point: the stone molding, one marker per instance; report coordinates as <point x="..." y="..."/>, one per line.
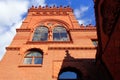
<point x="23" y="30"/>
<point x="49" y="42"/>
<point x="12" y="48"/>
<point x="84" y="29"/>
<point x="72" y="48"/>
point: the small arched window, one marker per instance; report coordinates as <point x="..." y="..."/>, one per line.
<point x="68" y="75"/>
<point x="40" y="34"/>
<point x="60" y="34"/>
<point x="33" y="57"/>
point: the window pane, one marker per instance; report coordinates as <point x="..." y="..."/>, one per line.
<point x="64" y="37"/>
<point x="27" y="60"/>
<point x="68" y="75"/>
<point x="56" y="36"/>
<point x="37" y="60"/>
<point x="34" y="53"/>
<point x="40" y="34"/>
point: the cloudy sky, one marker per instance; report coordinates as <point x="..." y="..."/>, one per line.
<point x="13" y="12"/>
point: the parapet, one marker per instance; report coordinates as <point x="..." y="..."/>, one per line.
<point x="90" y="26"/>
<point x="84" y="28"/>
<point x="50" y="8"/>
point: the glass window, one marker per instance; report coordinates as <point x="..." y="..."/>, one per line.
<point x="60" y="34"/>
<point x="33" y="57"/>
<point x="27" y="60"/>
<point x="95" y="42"/>
<point x="68" y="75"/>
<point x="40" y="34"/>
<point x="38" y="61"/>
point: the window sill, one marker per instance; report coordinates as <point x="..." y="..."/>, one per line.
<point x="48" y="42"/>
<point x="30" y="65"/>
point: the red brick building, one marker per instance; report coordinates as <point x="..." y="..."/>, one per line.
<point x="49" y="44"/>
<point x="108" y="31"/>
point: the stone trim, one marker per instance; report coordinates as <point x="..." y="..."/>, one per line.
<point x="23" y="30"/>
<point x="49" y="42"/>
<point x="84" y="29"/>
<point x="72" y="48"/>
<point x="30" y="65"/>
<point x="51" y="13"/>
<point x="12" y="48"/>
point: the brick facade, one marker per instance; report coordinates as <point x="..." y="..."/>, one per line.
<point x="78" y="53"/>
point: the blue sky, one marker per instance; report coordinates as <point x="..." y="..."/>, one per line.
<point x="13" y="13"/>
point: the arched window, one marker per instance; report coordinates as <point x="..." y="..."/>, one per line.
<point x="40" y="34"/>
<point x="33" y="57"/>
<point x="68" y="75"/>
<point x="60" y="34"/>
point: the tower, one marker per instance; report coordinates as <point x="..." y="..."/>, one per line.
<point x="49" y="45"/>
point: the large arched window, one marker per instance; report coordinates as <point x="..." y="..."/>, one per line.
<point x="40" y="34"/>
<point x="33" y="57"/>
<point x="60" y="34"/>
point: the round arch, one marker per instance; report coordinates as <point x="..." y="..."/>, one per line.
<point x="66" y="25"/>
<point x="35" y="49"/>
<point x="75" y="73"/>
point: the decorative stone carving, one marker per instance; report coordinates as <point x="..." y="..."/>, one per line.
<point x="50" y="10"/>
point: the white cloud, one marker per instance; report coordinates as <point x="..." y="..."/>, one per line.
<point x="38" y="2"/>
<point x="79" y="13"/>
<point x="11" y="17"/>
<point x="81" y="21"/>
<point x="7" y="37"/>
<point x="85" y="21"/>
<point x="11" y="13"/>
